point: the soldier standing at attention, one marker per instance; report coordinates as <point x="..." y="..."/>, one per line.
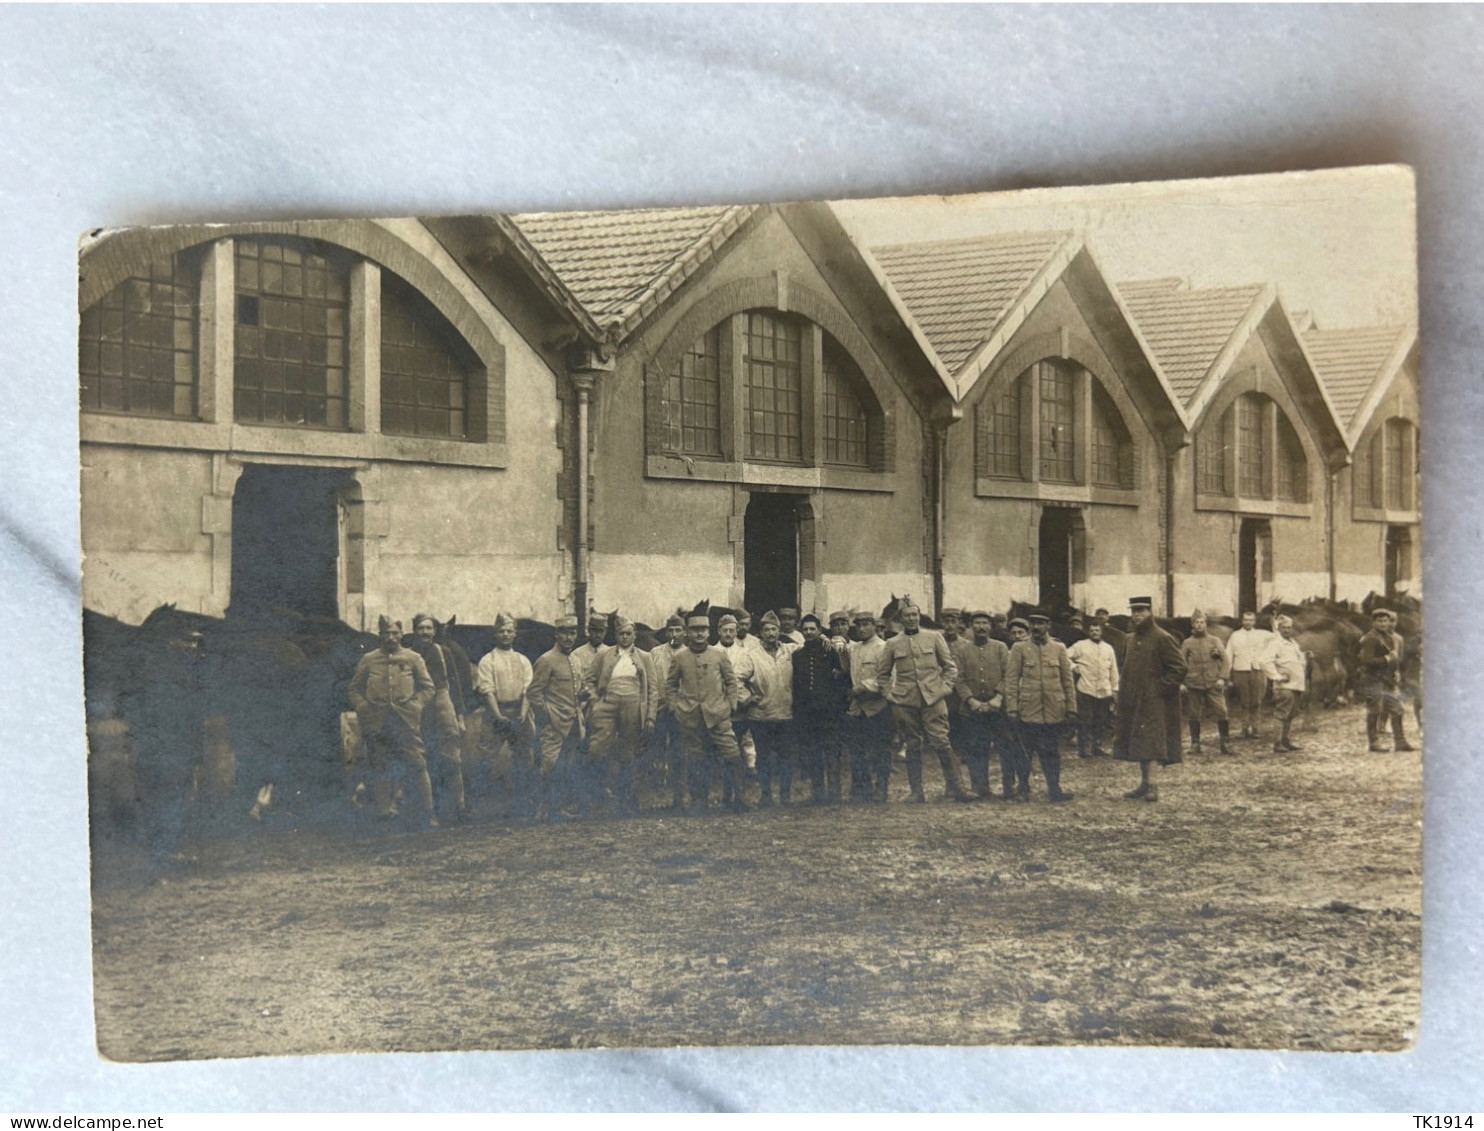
<point x="920" y="674"/>
<point x="1016" y="630"/>
<point x="869" y="721"/>
<point x="1245" y="648"/>
<point x="983" y="663"/>
<point x="1286" y="665"/>
<point x="557" y="697"/>
<point x="771" y="711"/>
<point x="950" y="626"/>
<point x="1039" y="693"/>
<point x="1381" y="655"/>
<point x="502" y="679"/>
<point x="818" y="703"/>
<point x="741" y="659"/>
<point x="586" y="655"/>
<point x="389" y="690"/>
<point x="441" y="721"/>
<point x="625" y="697"/>
<point x="702" y="691"/>
<point x="669" y="747"/>
<point x="1148" y="728"/>
<point x="1207" y="668"/>
<point x="1095" y="672"/>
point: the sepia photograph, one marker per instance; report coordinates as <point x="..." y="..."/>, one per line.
<point x="957" y="620"/>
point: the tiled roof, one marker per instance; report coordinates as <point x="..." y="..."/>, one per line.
<point x="1186" y="330"/>
<point x="1349" y="361"/>
<point x="958" y="290"/>
<point x="620" y="264"/>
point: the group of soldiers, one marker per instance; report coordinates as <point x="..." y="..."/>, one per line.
<point x="585" y="725"/>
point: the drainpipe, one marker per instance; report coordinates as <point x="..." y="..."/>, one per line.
<point x="1170" y="479"/>
<point x="1331" y="487"/>
<point x="940" y="442"/>
<point x="586" y="368"/>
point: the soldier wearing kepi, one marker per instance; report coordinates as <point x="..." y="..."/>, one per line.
<point x="741" y="660"/>
<point x="703" y="691"/>
<point x="1148" y="728"/>
<point x="1039" y="693"/>
<point x="869" y="721"/>
<point x="983" y="663"/>
<point x="771" y="711"/>
<point x="585" y="656"/>
<point x="389" y="690"/>
<point x="669" y="747"/>
<point x="503" y="677"/>
<point x="1381" y="656"/>
<point x="818" y="703"/>
<point x="1015" y="757"/>
<point x="1207" y="669"/>
<point x="920" y="674"/>
<point x="442" y="722"/>
<point x="625" y="698"/>
<point x="557" y="697"/>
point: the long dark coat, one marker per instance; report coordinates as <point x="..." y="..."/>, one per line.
<point x="1149" y="698"/>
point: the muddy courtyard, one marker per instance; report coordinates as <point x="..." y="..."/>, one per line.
<point x="1268" y="901"/>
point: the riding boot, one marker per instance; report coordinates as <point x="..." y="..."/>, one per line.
<point x="1051" y="767"/>
<point x="1195" y="736"/>
<point x="1399" y="738"/>
<point x="1223" y="732"/>
<point x="914" y="778"/>
<point x="1373" y="733"/>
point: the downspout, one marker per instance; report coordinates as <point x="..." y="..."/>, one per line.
<point x="1170" y="479"/>
<point x="940" y="442"/>
<point x="587" y="366"/>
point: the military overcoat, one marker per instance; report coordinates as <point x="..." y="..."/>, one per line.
<point x="1149" y="697"/>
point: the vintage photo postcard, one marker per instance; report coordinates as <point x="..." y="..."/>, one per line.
<point x="955" y="620"/>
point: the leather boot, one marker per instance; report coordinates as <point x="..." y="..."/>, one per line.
<point x="1373" y="734"/>
<point x="1223" y="736"/>
<point x="914" y="780"/>
<point x="1051" y="767"/>
<point x="1398" y="736"/>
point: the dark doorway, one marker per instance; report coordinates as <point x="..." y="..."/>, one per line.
<point x="1254" y="562"/>
<point x="1398" y="558"/>
<point x="286" y="539"/>
<point x="770" y="540"/>
<point x="1058" y="524"/>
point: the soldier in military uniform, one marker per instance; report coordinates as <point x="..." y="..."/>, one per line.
<point x="557" y="697"/>
<point x="1381" y="655"/>
<point x="1207" y="670"/>
<point x="1039" y="693"/>
<point x="389" y="690"/>
<point x="702" y="692"/>
<point x="921" y="673"/>
<point x="442" y="725"/>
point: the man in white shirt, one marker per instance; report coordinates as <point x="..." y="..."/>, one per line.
<point x="868" y="722"/>
<point x="1095" y="671"/>
<point x="1285" y="663"/>
<point x="1245" y="647"/>
<point x="625" y="698"/>
<point x="729" y="641"/>
<point x="501" y="681"/>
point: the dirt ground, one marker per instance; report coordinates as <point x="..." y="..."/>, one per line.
<point x="1266" y="901"/>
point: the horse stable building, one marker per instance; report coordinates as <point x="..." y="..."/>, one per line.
<point x="638" y="410"/>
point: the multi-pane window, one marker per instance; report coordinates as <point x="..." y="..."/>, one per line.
<point x="1058" y="422"/>
<point x="774" y="387"/>
<point x="1292" y="465"/>
<point x="424" y="377"/>
<point x="1003" y="432"/>
<point x="137" y="348"/>
<point x="1251" y="450"/>
<point x="692" y="400"/>
<point x="843" y="427"/>
<point x="1399" y="464"/>
<point x="1112" y="454"/>
<point x="291" y="335"/>
<point x="1211" y="453"/>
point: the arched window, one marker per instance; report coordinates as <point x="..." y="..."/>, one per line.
<point x="844" y="423"/>
<point x="692" y="400"/>
<point x="1002" y="432"/>
<point x="1293" y="467"/>
<point x="1252" y="451"/>
<point x="767" y="386"/>
<point x="1079" y="436"/>
<point x="1112" y="450"/>
<point x="291" y="335"/>
<point x="425" y="367"/>
<point x="137" y="347"/>
<point x="773" y="362"/>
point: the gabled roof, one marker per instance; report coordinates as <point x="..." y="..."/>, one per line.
<point x="957" y="293"/>
<point x="1354" y="361"/>
<point x="1189" y="331"/>
<point x="620" y="265"/>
